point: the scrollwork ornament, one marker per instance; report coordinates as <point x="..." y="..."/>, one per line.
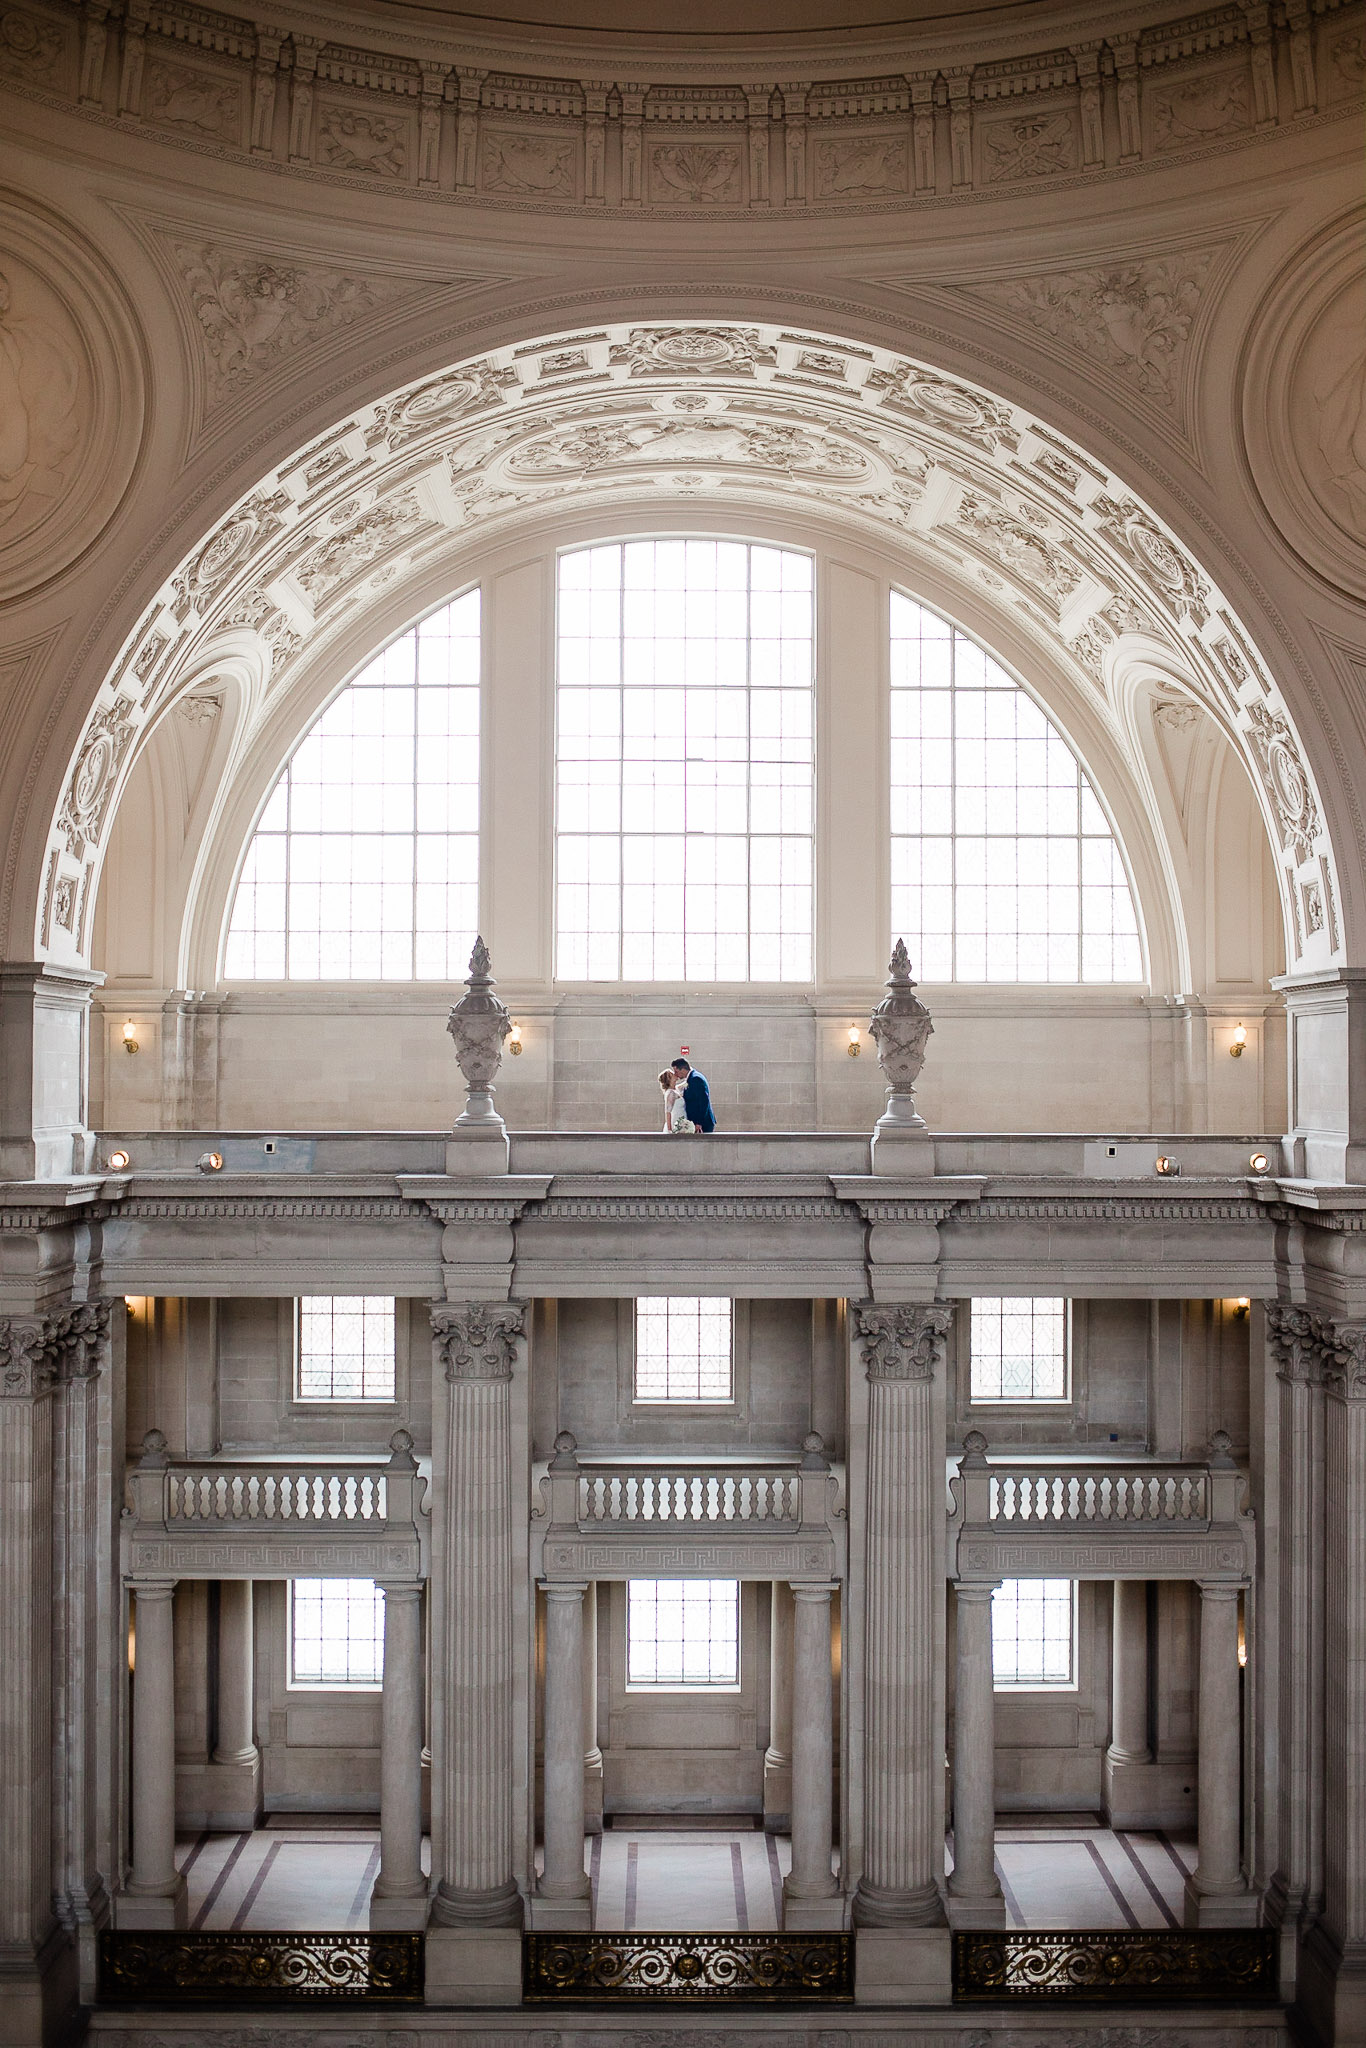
<point x="478" y="1341"/>
<point x="905" y="1342"/>
<point x="1344" y="1361"/>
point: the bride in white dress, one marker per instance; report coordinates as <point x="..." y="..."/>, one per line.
<point x="676" y="1122"/>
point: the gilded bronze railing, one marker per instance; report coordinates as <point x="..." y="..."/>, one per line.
<point x="688" y="1968"/>
<point x="171" y="1967"/>
<point x="1231" y="1964"/>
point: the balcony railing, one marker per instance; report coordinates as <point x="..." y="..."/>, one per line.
<point x="689" y="1495"/>
<point x="243" y="1493"/>
<point x="1172" y="1493"/>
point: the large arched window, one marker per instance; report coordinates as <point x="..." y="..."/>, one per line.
<point x="365" y="863"/>
<point x="1004" y="866"/>
<point x="683" y="824"/>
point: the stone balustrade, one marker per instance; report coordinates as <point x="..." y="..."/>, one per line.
<point x="1061" y="1494"/>
<point x="244" y="1493"/>
<point x="685" y="1494"/>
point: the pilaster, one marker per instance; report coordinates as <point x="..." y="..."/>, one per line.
<point x="45" y="1070"/>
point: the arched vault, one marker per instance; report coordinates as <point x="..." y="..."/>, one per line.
<point x="957" y="479"/>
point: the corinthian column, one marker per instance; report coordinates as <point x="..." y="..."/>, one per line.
<point x="472" y="1690"/>
<point x="902" y="1349"/>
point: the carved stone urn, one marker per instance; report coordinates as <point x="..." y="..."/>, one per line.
<point x="901" y="1025"/>
<point x="478" y="1024"/>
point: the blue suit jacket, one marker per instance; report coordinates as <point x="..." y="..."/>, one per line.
<point x="697" y="1101"/>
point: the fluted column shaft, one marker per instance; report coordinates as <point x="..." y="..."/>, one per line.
<point x="974" y="1878"/>
<point x="811" y="1876"/>
<point x="400" y="1745"/>
<point x="1218" y="1872"/>
<point x="472" y="1565"/>
<point x="236" y="1720"/>
<point x="564" y="1876"/>
<point x="1129" y="1662"/>
<point x="154" y="1871"/>
<point x="592" y="1755"/>
<point x="902" y="1349"/>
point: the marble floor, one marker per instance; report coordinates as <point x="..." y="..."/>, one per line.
<point x="302" y="1872"/>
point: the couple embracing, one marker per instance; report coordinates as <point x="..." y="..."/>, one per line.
<point x="687" y="1100"/>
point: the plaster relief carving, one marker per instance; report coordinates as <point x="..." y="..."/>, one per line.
<point x="477" y="1341"/>
<point x="204" y="101"/>
<point x="351" y="141"/>
<point x="45" y="399"/>
<point x="539" y="164"/>
<point x="1031" y="146"/>
<point x="768" y="445"/>
<point x="1167" y="572"/>
<point x="1135" y="317"/>
<point x="253" y="310"/>
<point x="1194" y="110"/>
<point x="699" y="174"/>
<point x="108" y="739"/>
<point x="1026" y="553"/>
<point x="1346" y="64"/>
<point x="360" y="542"/>
<point x="664" y="351"/>
<point x="1327" y="403"/>
<point x="951" y="407"/>
<point x="1285" y="782"/>
<point x="30" y="47"/>
<point x="908" y="1342"/>
<point x="860" y="166"/>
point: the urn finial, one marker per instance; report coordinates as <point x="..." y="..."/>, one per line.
<point x="901" y="1026"/>
<point x="478" y="1024"/>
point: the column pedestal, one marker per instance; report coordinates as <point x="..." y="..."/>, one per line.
<point x="399" y="1898"/>
<point x="1216" y="1894"/>
<point x="975" y="1898"/>
<point x="154" y="1895"/>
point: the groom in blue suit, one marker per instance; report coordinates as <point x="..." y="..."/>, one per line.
<point x="696" y="1095"/>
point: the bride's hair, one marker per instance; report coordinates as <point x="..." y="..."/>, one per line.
<point x="667" y="1078"/>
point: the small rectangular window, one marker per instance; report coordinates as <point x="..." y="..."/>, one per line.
<point x="684" y="1349"/>
<point x="1034" y="1634"/>
<point x="345" y="1348"/>
<point x="336" y="1634"/>
<point x="683" y="1632"/>
<point x="1019" y="1350"/>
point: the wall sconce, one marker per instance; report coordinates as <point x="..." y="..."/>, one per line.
<point x="515" y="1040"/>
<point x="1259" y="1162"/>
<point x="1239" y="1042"/>
<point x="210" y="1162"/>
<point x="855" y="1042"/>
<point x="1166" y="1166"/>
<point x="130" y="1036"/>
<point x="116" y="1161"/>
<point x="130" y="1302"/>
<point x="1242" y="1306"/>
<point x="1242" y="1638"/>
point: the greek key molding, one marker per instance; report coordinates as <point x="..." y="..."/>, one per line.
<point x="271" y="1557"/>
<point x="1091" y="1556"/>
<point x="906" y="1342"/>
<point x="736" y="1558"/>
<point x="478" y="1341"/>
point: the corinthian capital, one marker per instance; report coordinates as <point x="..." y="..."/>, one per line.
<point x="906" y="1342"/>
<point x="1311" y="1350"/>
<point x="478" y="1340"/>
<point x="37" y="1351"/>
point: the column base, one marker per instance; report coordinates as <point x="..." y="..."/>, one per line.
<point x="400" y="1910"/>
<point x="903" y="1966"/>
<point x="168" y="1908"/>
<point x="799" y="1914"/>
<point x="592" y="1796"/>
<point x="1149" y="1795"/>
<point x="39" y="1994"/>
<point x="976" y="1909"/>
<point x="777" y="1794"/>
<point x="1331" y="1991"/>
<point x="474" y="1966"/>
<point x="501" y="1908"/>
<point x="874" y="1907"/>
<point x="224" y="1794"/>
<point x="559" y="1913"/>
<point x="1219" y="1909"/>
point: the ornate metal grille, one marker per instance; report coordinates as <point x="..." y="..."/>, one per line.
<point x="1207" y="1963"/>
<point x="174" y="1968"/>
<point x="691" y="1968"/>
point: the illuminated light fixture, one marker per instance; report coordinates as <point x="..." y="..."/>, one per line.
<point x="210" y="1162"/>
<point x="1239" y="1042"/>
<point x="515" y="1040"/>
<point x="1166" y="1165"/>
<point x="130" y="1036"/>
<point x="1241" y="1305"/>
<point x="116" y="1161"/>
<point x="1259" y="1162"/>
<point x="855" y="1041"/>
<point x="1242" y="1640"/>
<point x="130" y="1302"/>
